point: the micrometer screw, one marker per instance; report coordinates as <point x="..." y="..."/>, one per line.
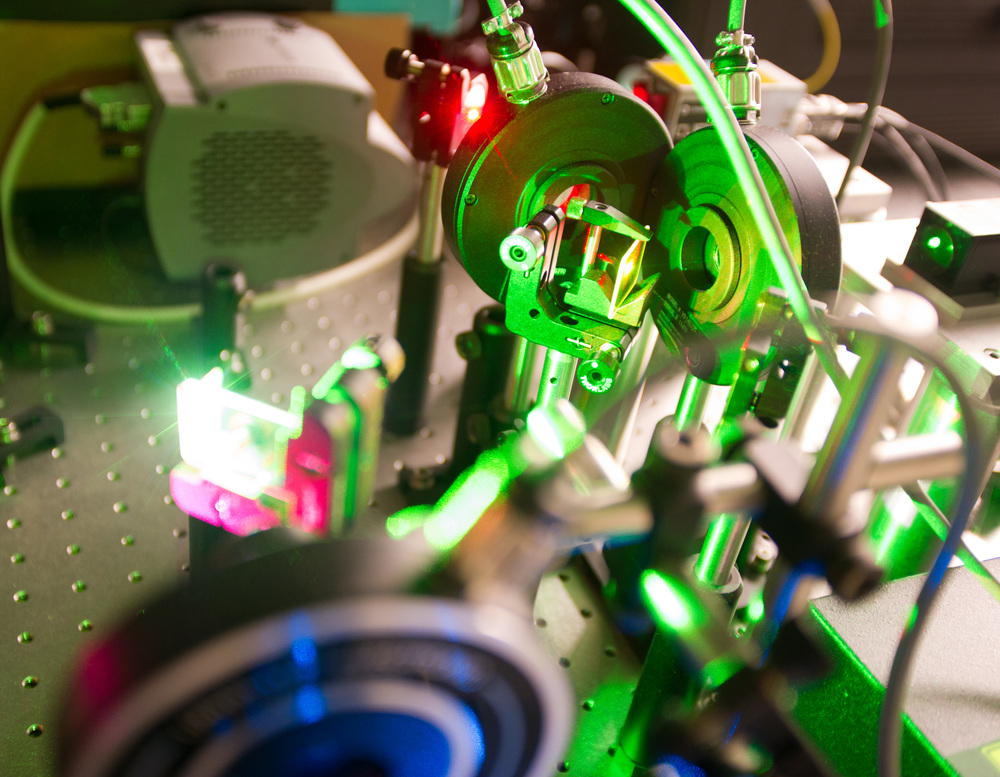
<point x="522" y="248"/>
<point x="597" y="374"/>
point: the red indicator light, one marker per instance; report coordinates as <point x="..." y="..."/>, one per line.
<point x="475" y="100"/>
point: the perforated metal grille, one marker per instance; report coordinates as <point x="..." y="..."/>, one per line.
<point x="260" y="186"/>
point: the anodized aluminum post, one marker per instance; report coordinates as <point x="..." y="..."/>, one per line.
<point x="844" y="464"/>
<point x="691" y="403"/>
<point x="489" y="351"/>
<point x="721" y="548"/>
<point x="558" y="371"/>
<point x="715" y="562"/>
<point x="419" y="297"/>
<point x="519" y="380"/>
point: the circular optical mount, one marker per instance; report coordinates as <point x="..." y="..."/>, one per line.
<point x="311" y="662"/>
<point x="712" y="258"/>
<point x="586" y="130"/>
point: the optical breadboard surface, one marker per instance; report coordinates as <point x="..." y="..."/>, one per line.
<point x="90" y="534"/>
<point x="89" y="530"/>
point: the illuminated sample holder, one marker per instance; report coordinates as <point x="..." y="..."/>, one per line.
<point x="249" y="466"/>
<point x="234" y="452"/>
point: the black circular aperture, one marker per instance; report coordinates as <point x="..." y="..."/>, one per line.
<point x="367" y="744"/>
<point x="312" y="675"/>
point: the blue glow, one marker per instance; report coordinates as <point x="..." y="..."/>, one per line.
<point x="310" y="704"/>
<point x="475" y="735"/>
<point x="267" y="679"/>
<point x="732" y="728"/>
<point x="395" y="743"/>
<point x="464" y="673"/>
<point x="784" y="600"/>
<point x="304" y="653"/>
<point x="684" y="768"/>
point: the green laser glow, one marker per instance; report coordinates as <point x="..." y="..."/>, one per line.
<point x="325" y="384"/>
<point x="668" y="602"/>
<point x="557" y="429"/>
<point x="237" y="442"/>
<point x="755" y="610"/>
<point x="297" y="402"/>
<point x="407" y="520"/>
<point x="881" y="17"/>
<point x="719" y="670"/>
<point x="468" y="498"/>
<point x="890" y="527"/>
<point x="737" y="13"/>
<point x="357" y="357"/>
<point x="557" y="434"/>
<point x="940" y="247"/>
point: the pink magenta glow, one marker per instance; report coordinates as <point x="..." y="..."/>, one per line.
<point x="218" y="506"/>
<point x="307" y="475"/>
<point x="305" y="493"/>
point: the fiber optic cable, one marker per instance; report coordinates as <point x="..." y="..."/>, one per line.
<point x="737" y="14"/>
<point x="673" y="39"/>
<point x="890" y="719"/>
<point x="883" y="56"/>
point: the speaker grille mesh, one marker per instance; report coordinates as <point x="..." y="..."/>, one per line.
<point x="259" y="186"/>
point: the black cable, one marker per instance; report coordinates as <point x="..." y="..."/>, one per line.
<point x="912" y="161"/>
<point x="965" y="157"/>
<point x="930" y="159"/>
<point x="924" y="141"/>
<point x="908" y="128"/>
<point x="883" y="31"/>
<point x="906" y="154"/>
<point x="938" y="520"/>
<point x="919" y="144"/>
